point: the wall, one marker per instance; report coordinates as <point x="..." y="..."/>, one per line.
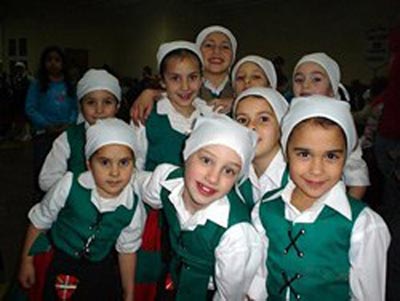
<point x="127" y="36"/>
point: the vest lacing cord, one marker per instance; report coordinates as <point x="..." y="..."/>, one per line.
<point x="288" y="283"/>
<point x="84" y="253"/>
<point x="293" y="242"/>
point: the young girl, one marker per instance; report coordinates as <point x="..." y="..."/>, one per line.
<point x="83" y="216"/>
<point x="218" y="49"/>
<point x="215" y="250"/>
<point x="162" y="141"/>
<point x="321" y="244"/>
<point x="50" y="105"/>
<point x="99" y="97"/>
<point x="253" y="71"/>
<point x="319" y="74"/>
<point x="261" y="110"/>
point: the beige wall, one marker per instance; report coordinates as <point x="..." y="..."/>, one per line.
<point x="127" y="37"/>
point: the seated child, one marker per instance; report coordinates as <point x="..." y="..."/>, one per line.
<point x="84" y="216"/>
<point x="215" y="249"/>
<point x="253" y="71"/>
<point x="261" y="110"/>
<point x="321" y="244"/>
<point x="317" y="73"/>
<point x="99" y="96"/>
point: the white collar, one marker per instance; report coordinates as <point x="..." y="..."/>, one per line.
<point x="217" y="212"/>
<point x="125" y="198"/>
<point x="212" y="88"/>
<point x="335" y="198"/>
<point x="274" y="172"/>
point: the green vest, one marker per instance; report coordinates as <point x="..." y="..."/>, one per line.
<point x="193" y="260"/>
<point x="312" y="259"/>
<point x="165" y="145"/>
<point x="76" y="135"/>
<point x="246" y="189"/>
<point x="81" y="231"/>
<point x="208" y="95"/>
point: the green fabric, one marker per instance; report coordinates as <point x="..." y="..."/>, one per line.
<point x="322" y="256"/>
<point x="246" y="189"/>
<point x="80" y="219"/>
<point x="76" y="135"/>
<point x="193" y="260"/>
<point x="165" y="145"/>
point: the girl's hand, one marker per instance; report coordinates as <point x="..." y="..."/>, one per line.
<point x="142" y="106"/>
<point x="26" y="275"/>
<point x="222" y="105"/>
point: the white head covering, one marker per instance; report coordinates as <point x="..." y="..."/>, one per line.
<point x="98" y="79"/>
<point x="109" y="131"/>
<point x="302" y="108"/>
<point x="263" y="63"/>
<point x="328" y="64"/>
<point x="273" y="97"/>
<point x="166" y="48"/>
<point x="217" y="28"/>
<point x="219" y="129"/>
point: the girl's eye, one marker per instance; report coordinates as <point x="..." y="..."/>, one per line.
<point x="124" y="162"/>
<point x="174" y="78"/>
<point x="90" y="102"/>
<point x="242" y="120"/>
<point x="264" y="118"/>
<point x="298" y="79"/>
<point x="332" y="156"/>
<point x="256" y="77"/>
<point x="104" y="162"/>
<point x="109" y="102"/>
<point x="316" y="79"/>
<point x="303" y="154"/>
<point x="226" y="47"/>
<point x="239" y="78"/>
<point x="208" y="45"/>
<point x="206" y="160"/>
<point x="230" y="171"/>
<point x="194" y="77"/>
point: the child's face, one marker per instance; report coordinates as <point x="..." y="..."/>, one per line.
<point x="53" y="63"/>
<point x="112" y="167"/>
<point x="210" y="174"/>
<point x="249" y="75"/>
<point x="98" y="104"/>
<point x="217" y="53"/>
<point x="182" y="81"/>
<point x="316" y="156"/>
<point x="311" y="79"/>
<point x="257" y="114"/>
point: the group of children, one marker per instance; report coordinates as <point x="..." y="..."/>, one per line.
<point x="187" y="203"/>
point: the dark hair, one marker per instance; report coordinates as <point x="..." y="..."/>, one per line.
<point x="322" y="122"/>
<point x="43" y="76"/>
<point x="181" y="54"/>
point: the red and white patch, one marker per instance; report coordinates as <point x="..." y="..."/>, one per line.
<point x="65" y="286"/>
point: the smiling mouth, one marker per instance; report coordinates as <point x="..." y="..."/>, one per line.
<point x="216" y="61"/>
<point x="185" y="96"/>
<point x="205" y="190"/>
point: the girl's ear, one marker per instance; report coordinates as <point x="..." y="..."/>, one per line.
<point x="163" y="84"/>
<point x="88" y="165"/>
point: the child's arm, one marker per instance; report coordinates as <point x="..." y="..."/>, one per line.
<point x="143" y="105"/>
<point x="355" y="173"/>
<point x="148" y="185"/>
<point x="127" y="267"/>
<point x="141" y="146"/>
<point x="370" y="240"/>
<point x="26" y="275"/>
<point x="238" y="256"/>
<point x="55" y="165"/>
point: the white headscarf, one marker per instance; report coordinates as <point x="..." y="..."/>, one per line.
<point x="302" y="108"/>
<point x="219" y="129"/>
<point x="166" y="48"/>
<point x="217" y="28"/>
<point x="263" y="63"/>
<point x="273" y="97"/>
<point x="98" y="79"/>
<point x="328" y="64"/>
<point x="109" y="131"/>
